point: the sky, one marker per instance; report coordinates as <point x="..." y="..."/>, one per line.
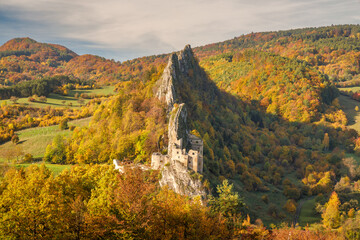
<point x="126" y="29"/>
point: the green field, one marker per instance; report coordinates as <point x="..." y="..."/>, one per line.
<point x="352" y="155"/>
<point x="354" y="89"/>
<point x="348" y="105"/>
<point x="307" y="215"/>
<point x="55" y="168"/>
<point x="56" y="100"/>
<point x="35" y="140"/>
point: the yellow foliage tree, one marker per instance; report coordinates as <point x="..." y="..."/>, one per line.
<point x="331" y="214"/>
<point x="326" y="142"/>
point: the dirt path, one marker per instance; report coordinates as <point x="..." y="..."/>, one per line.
<point x="348" y="106"/>
<point x="298" y="210"/>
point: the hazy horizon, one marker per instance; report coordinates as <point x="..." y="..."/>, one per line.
<point x="123" y="30"/>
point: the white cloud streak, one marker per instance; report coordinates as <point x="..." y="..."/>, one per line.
<point x="124" y="29"/>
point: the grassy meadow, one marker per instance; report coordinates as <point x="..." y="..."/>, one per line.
<point x="35" y="140"/>
<point x="57" y="100"/>
<point x="56" y="169"/>
<point x="348" y="105"/>
<point x="307" y="215"/>
<point x="262" y="208"/>
<point x="354" y="89"/>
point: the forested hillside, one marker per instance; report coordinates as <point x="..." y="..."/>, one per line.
<point x="264" y="104"/>
<point x="258" y="150"/>
<point x="332" y="50"/>
<point x="285" y="87"/>
<point x="24" y="59"/>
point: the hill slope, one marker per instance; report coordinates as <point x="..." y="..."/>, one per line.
<point x="265" y="112"/>
<point x="37" y="51"/>
<point x="24" y="59"/>
<point x="333" y="50"/>
<point x="259" y="152"/>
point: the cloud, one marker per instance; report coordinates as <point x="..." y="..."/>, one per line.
<point x="124" y="29"/>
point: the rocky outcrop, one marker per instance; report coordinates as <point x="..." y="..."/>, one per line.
<point x="177" y="127"/>
<point x="177" y="178"/>
<point x="165" y="85"/>
<point x="186" y="61"/>
<point x="182" y="165"/>
<point x="179" y="66"/>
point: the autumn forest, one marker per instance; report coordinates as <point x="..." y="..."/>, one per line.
<point x="277" y="112"/>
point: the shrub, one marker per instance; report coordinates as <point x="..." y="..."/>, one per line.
<point x="273" y="211"/>
<point x="15" y="139"/>
<point x="43" y="99"/>
<point x="64" y="124"/>
<point x="14" y="99"/>
<point x="28" y="158"/>
<point x="265" y="198"/>
<point x="290" y="206"/>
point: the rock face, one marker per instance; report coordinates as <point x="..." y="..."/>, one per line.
<point x="179" y="65"/>
<point x="184" y="161"/>
<point x="177" y="178"/>
<point x="186" y="60"/>
<point x="165" y="85"/>
<point x="177" y="127"/>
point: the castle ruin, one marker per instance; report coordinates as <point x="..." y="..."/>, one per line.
<point x="183" y="147"/>
<point x="192" y="159"/>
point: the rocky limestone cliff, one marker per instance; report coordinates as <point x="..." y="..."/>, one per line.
<point x="177" y="126"/>
<point x="175" y="174"/>
<point x="165" y="85"/>
<point x="178" y="67"/>
<point x="186" y="61"/>
<point x="178" y="178"/>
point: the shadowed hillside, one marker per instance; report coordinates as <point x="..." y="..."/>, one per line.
<point x="260" y="152"/>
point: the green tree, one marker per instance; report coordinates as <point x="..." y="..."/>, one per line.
<point x="14" y="99"/>
<point x="30" y="205"/>
<point x="64" y="124"/>
<point x="55" y="152"/>
<point x="15" y="139"/>
<point x="228" y="203"/>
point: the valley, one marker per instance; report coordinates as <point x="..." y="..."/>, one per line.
<point x="353" y="116"/>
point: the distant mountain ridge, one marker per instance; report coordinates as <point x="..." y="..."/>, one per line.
<point x="332" y="50"/>
<point x="43" y="51"/>
<point x="24" y="59"/>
